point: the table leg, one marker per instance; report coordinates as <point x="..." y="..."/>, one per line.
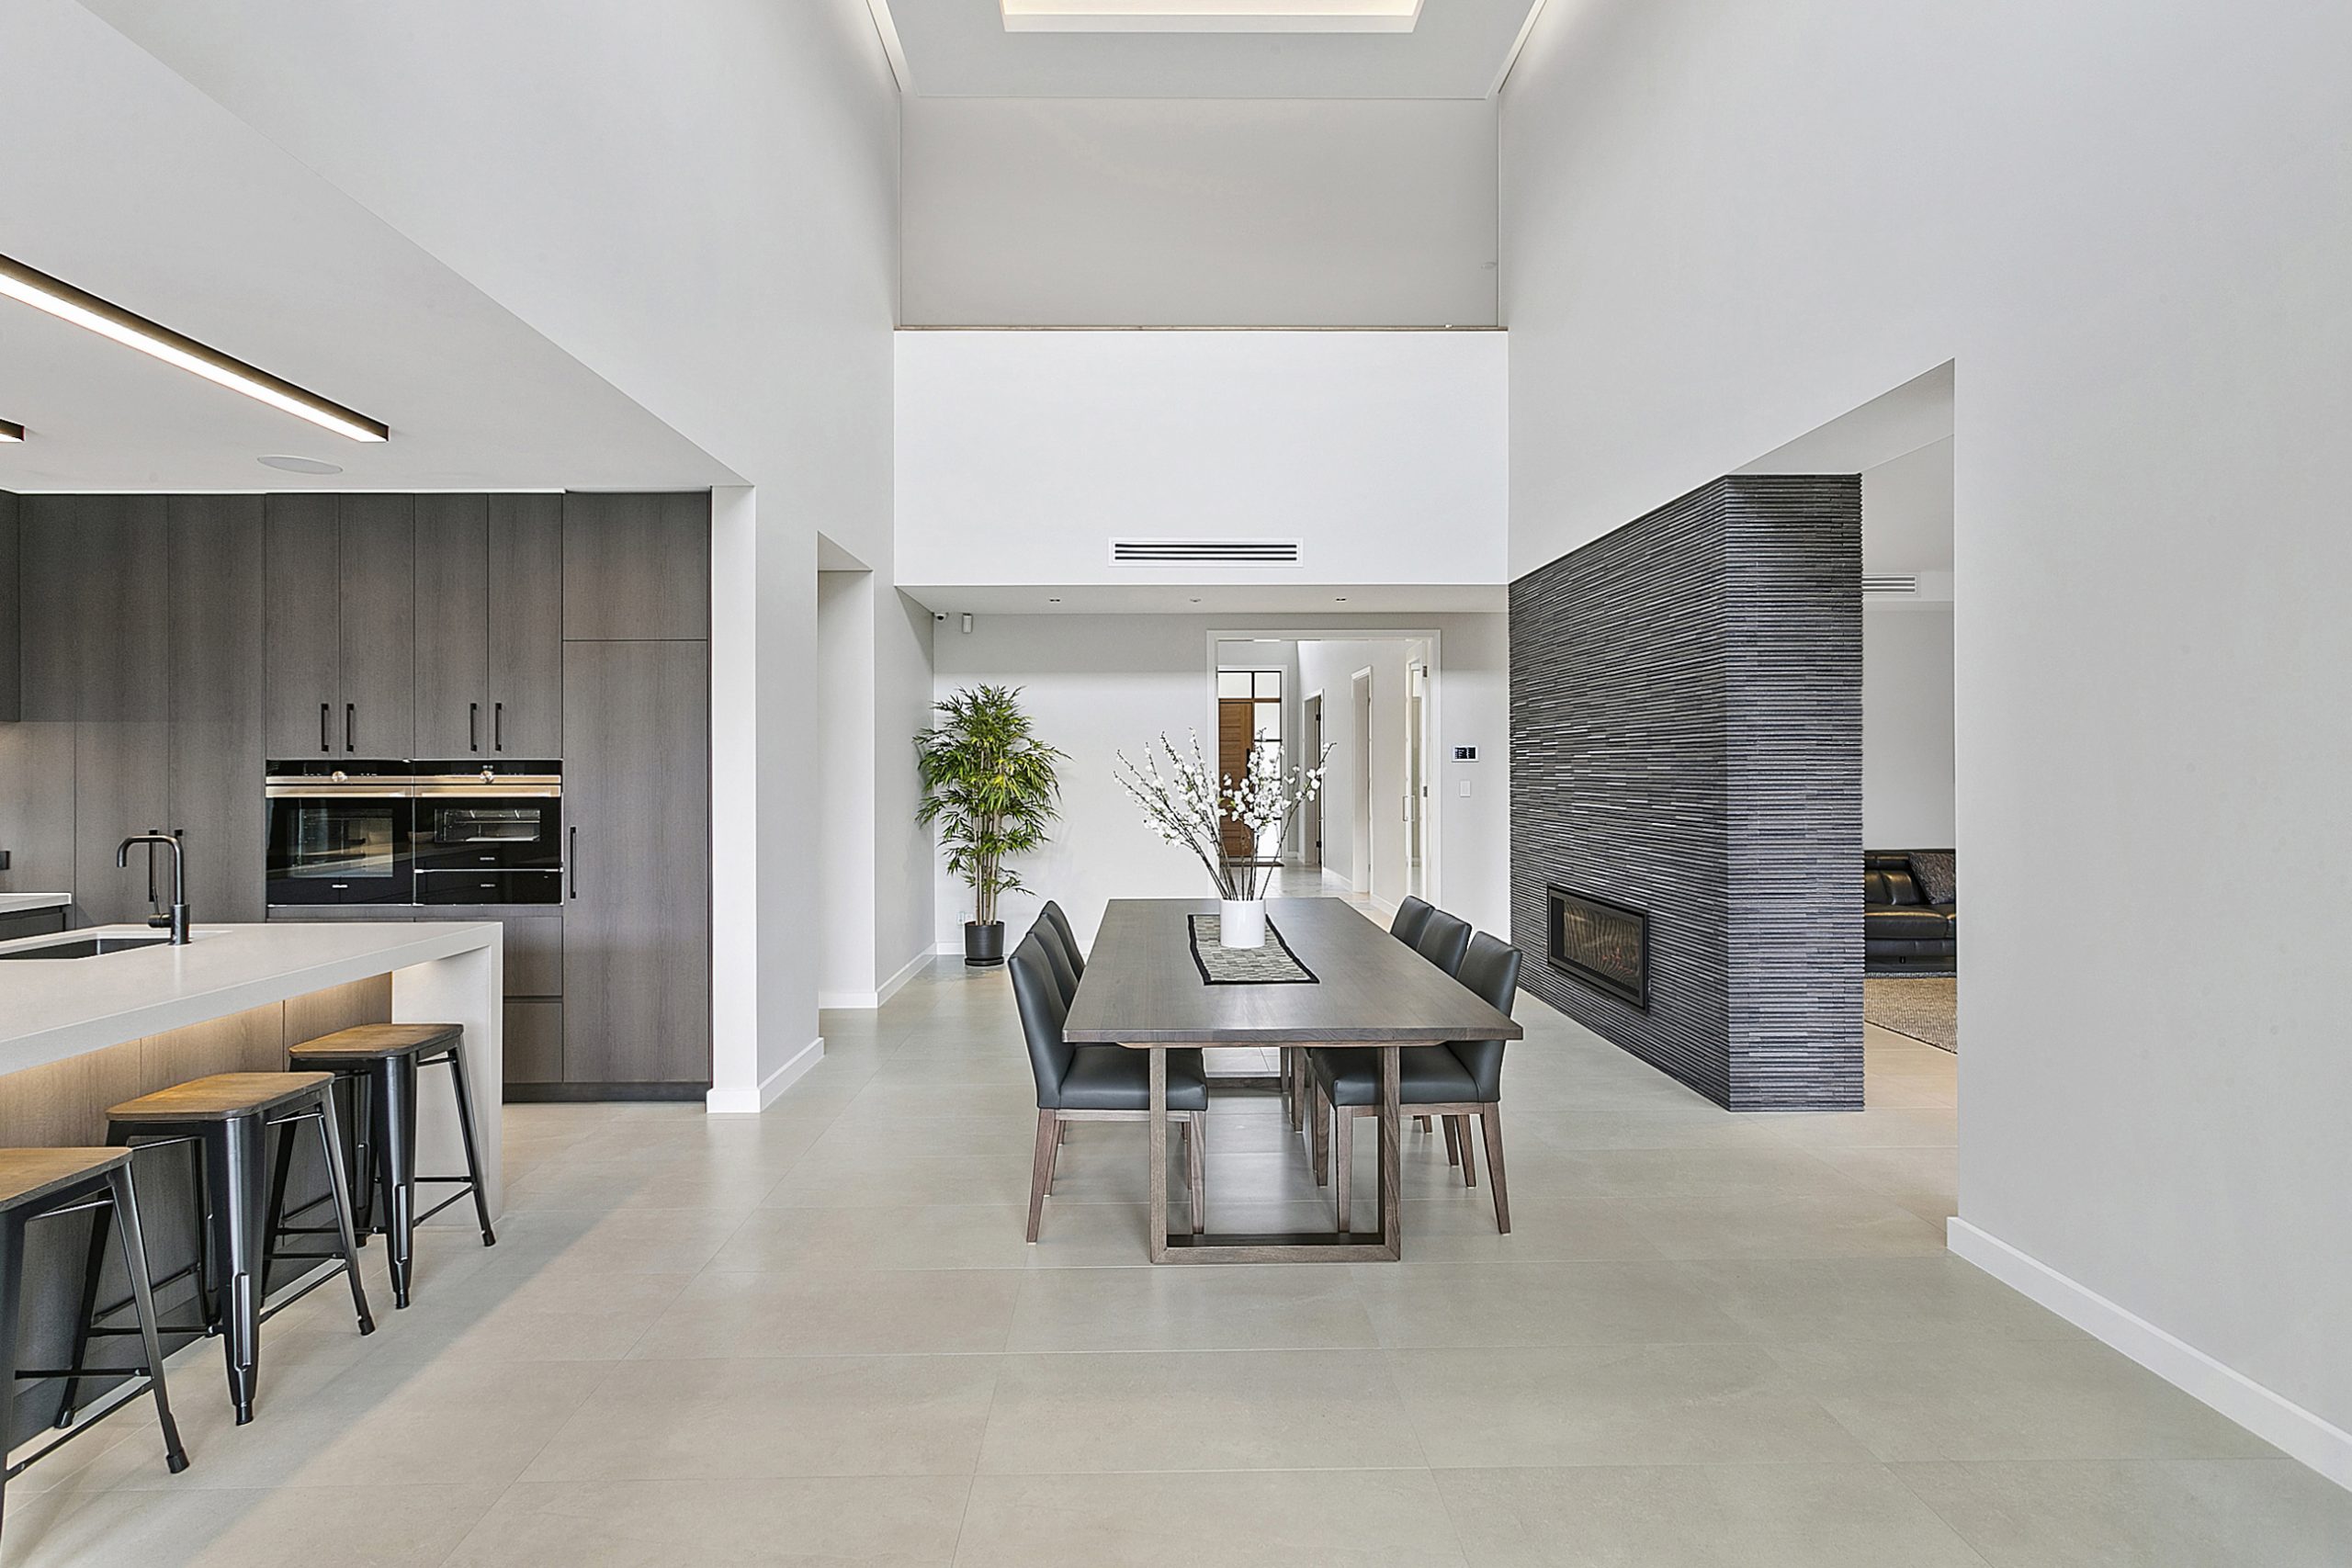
<point x="1392" y="1153"/>
<point x="1157" y="1154"/>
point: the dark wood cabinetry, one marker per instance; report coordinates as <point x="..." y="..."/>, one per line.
<point x="489" y="625"/>
<point x="159" y="651"/>
<point x="636" y="567"/>
<point x="636" y="937"/>
<point x="339" y="613"/>
<point x="217" y="652"/>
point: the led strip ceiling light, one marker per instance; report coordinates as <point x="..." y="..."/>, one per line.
<point x="1212" y="16"/>
<point x="11" y="432"/>
<point x="68" y="303"/>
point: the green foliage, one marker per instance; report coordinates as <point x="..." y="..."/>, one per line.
<point x="989" y="785"/>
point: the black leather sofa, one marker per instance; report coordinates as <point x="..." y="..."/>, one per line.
<point x="1910" y="910"/>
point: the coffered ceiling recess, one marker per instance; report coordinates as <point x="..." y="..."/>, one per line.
<point x="1205" y="48"/>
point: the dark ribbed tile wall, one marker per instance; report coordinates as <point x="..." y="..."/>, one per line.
<point x="1687" y="739"/>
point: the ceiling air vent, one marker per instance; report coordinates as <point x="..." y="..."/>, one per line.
<point x="1204" y="552"/>
<point x="1891" y="587"/>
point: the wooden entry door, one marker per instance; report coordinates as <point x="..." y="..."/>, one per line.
<point x="1235" y="732"/>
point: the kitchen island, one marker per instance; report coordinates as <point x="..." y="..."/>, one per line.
<point x="79" y="1035"/>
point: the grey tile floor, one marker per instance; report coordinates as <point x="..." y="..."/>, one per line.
<point x="816" y="1337"/>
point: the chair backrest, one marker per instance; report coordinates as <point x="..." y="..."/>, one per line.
<point x="1037" y="991"/>
<point x="1443" y="941"/>
<point x="1064" y="967"/>
<point x="1491" y="969"/>
<point x="1411" y="916"/>
<point x="1052" y="913"/>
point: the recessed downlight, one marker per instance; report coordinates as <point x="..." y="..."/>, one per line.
<point x="68" y="303"/>
<point x="298" y="464"/>
<point x="11" y="432"/>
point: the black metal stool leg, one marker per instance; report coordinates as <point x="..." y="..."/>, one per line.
<point x="466" y="1130"/>
<point x="142" y="1297"/>
<point x="363" y="1154"/>
<point x="94" y="1264"/>
<point x="281" y="1171"/>
<point x="330" y="1141"/>
<point x="236" y="1183"/>
<point x="12" y="1282"/>
<point x="394" y="1089"/>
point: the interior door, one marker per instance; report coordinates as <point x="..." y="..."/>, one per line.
<point x="1311" y="813"/>
<point x="1236" y="719"/>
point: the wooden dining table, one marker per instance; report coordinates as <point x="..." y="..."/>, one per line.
<point x="1144" y="990"/>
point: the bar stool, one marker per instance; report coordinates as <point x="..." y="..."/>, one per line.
<point x="47" y="1184"/>
<point x="381" y="1061"/>
<point x="226" y="1121"/>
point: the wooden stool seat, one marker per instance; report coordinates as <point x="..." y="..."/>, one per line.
<point x="219" y="1097"/>
<point x="28" y="1176"/>
<point x="372" y="1042"/>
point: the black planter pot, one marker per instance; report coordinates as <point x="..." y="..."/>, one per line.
<point x="983" y="944"/>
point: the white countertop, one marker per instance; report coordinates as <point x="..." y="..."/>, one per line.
<point x="57" y="1007"/>
<point x="18" y="903"/>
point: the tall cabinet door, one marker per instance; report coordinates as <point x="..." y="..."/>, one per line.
<point x="378" y="644"/>
<point x="302" y="622"/>
<point x="636" y="794"/>
<point x="122" y="749"/>
<point x="217" y="657"/>
<point x="526" y="626"/>
<point x="36" y="753"/>
<point x="453" y="600"/>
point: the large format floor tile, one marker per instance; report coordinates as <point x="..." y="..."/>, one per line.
<point x="819" y="1337"/>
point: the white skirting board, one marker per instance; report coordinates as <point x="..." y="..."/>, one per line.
<point x="866" y="1002"/>
<point x="752" y="1101"/>
<point x="2311" y="1439"/>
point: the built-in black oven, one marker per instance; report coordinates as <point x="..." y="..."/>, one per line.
<point x="489" y="834"/>
<point x="339" y="833"/>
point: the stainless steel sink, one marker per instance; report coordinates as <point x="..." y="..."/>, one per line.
<point x="88" y="947"/>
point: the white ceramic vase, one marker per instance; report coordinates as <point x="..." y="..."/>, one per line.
<point x="1241" y="922"/>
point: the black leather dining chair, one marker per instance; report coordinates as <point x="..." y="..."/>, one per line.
<point x="1095" y="1083"/>
<point x="1443" y="941"/>
<point x="1411" y="916"/>
<point x="1053" y="916"/>
<point x="1455" y="1081"/>
<point x="1068" y="969"/>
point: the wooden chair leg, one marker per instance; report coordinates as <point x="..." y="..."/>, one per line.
<point x="1319" y="1135"/>
<point x="1491" y="1117"/>
<point x="1041" y="1170"/>
<point x="1195" y="1146"/>
<point x="1054" y="1155"/>
<point x="1469" y="1155"/>
<point x="1343" y="1148"/>
<point x="1453" y="1143"/>
<point x="1423" y="1124"/>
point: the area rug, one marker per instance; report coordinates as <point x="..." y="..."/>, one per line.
<point x="1921" y="1007"/>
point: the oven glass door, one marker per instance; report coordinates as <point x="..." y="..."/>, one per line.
<point x="477" y="847"/>
<point x="339" y="850"/>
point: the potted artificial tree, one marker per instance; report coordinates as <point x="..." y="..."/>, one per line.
<point x="989" y="785"/>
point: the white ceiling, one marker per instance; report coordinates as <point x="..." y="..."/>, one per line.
<point x="1211" y="599"/>
<point x="130" y="184"/>
<point x="1459" y="49"/>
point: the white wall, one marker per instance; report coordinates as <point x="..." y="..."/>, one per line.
<point x="847" y="753"/>
<point x="1021" y="454"/>
<point x="1193" y="212"/>
<point x="699" y="202"/>
<point x="903" y="873"/>
<point x="1100" y="684"/>
<point x="1725" y="223"/>
<point x="1907" y="758"/>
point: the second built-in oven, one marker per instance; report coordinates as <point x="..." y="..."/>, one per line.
<point x="488" y="834"/>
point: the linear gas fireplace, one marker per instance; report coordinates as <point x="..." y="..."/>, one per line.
<point x="1605" y="945"/>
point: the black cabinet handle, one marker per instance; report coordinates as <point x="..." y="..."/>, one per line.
<point x="350" y="716"/>
<point x="473" y="727"/>
<point x="324" y="744"/>
<point x="498" y="727"/>
<point x="572" y="860"/>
